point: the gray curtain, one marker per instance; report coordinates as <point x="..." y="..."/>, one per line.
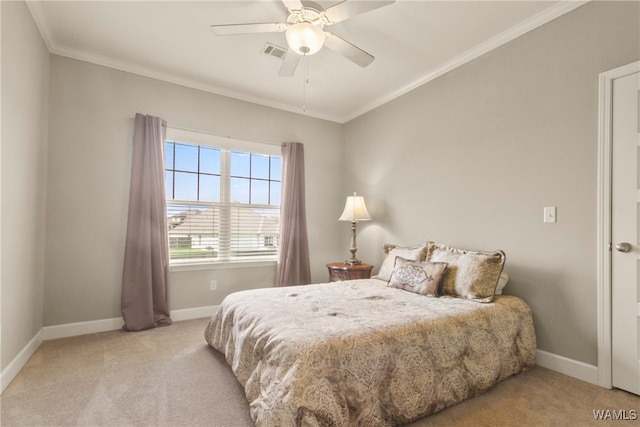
<point x="145" y="276"/>
<point x="293" y="254"/>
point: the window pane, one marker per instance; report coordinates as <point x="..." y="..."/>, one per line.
<point x="276" y="168"/>
<point x="168" y="185"/>
<point x="209" y="160"/>
<point x="193" y="231"/>
<point x="239" y="190"/>
<point x="187" y="157"/>
<point x="240" y="164"/>
<point x="275" y="193"/>
<point x="259" y="166"/>
<point x="254" y="232"/>
<point x="168" y="155"/>
<point x="186" y="186"/>
<point x="259" y="192"/>
<point x="209" y="188"/>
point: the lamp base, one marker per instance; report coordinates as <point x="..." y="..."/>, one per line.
<point x="353" y="260"/>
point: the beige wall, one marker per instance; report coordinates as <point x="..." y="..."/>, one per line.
<point x="25" y="86"/>
<point x="473" y="157"/>
<point x="88" y="179"/>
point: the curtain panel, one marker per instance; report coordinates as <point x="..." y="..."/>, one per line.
<point x="293" y="254"/>
<point x="145" y="276"/>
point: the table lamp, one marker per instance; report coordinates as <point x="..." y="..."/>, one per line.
<point x="354" y="210"/>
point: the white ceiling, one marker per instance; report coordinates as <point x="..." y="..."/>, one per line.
<point x="413" y="42"/>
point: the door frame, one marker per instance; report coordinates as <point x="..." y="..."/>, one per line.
<point x="603" y="269"/>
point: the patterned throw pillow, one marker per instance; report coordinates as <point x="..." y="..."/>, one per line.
<point x="419" y="277"/>
<point x="416" y="253"/>
<point x="471" y="274"/>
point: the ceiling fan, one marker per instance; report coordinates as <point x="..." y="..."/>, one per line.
<point x="304" y="30"/>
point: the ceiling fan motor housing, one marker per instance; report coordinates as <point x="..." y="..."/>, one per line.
<point x="305" y="35"/>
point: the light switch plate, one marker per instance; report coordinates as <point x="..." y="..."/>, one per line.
<point x="550" y="214"/>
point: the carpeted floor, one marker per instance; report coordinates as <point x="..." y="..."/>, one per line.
<point x="170" y="377"/>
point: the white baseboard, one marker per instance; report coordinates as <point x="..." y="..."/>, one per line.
<point x="561" y="364"/>
<point x="93" y="326"/>
<point x="573" y="368"/>
<point x="194" y="313"/>
<point x="10" y="372"/>
<point x="82" y="328"/>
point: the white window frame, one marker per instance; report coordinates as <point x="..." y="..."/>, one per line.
<point x="226" y="145"/>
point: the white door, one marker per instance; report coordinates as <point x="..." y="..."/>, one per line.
<point x="625" y="233"/>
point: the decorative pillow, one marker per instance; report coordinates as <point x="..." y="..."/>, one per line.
<point x="502" y="282"/>
<point x="419" y="277"/>
<point x="416" y="253"/>
<point x="471" y="274"/>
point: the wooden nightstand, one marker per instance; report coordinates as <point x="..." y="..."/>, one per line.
<point x="341" y="271"/>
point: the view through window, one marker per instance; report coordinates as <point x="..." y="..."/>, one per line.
<point x="223" y="203"/>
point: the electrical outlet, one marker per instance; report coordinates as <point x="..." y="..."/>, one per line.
<point x="213" y="285"/>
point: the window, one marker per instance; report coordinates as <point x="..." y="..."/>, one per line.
<point x="223" y="198"/>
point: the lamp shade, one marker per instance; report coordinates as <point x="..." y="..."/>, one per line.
<point x="355" y="209"/>
<point x="305" y="38"/>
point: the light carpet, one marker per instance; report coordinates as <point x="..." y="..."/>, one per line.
<point x="170" y="377"/>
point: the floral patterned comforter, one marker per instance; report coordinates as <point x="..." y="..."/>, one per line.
<point x="359" y="353"/>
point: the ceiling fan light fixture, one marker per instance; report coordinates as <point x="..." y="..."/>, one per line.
<point x="305" y="38"/>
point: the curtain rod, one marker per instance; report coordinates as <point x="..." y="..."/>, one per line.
<point x="220" y="136"/>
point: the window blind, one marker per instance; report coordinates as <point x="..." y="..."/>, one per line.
<point x="222" y="232"/>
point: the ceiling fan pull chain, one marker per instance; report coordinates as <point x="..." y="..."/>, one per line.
<point x="305" y="81"/>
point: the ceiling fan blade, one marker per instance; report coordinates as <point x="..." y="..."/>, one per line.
<point x="289" y="64"/>
<point x="347" y="9"/>
<point x="349" y="51"/>
<point x="293" y="4"/>
<point x="233" y="29"/>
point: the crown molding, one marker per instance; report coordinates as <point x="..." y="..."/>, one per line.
<point x="39" y="17"/>
<point x="541" y="18"/>
<point x="37" y="12"/>
<point x="181" y="81"/>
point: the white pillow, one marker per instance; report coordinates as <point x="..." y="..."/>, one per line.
<point x="414" y="253"/>
<point x="502" y="282"/>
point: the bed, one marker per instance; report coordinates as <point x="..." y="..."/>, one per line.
<point x="362" y="352"/>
